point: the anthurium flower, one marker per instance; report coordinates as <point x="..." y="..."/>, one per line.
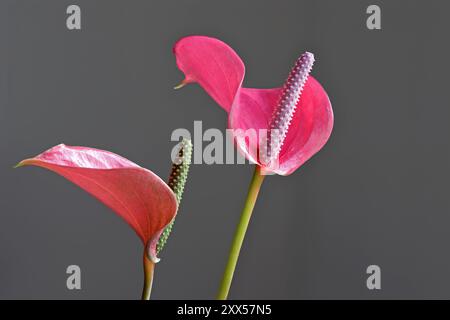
<point x="136" y="194"/>
<point x="300" y="111"/>
<point x="296" y="118"/>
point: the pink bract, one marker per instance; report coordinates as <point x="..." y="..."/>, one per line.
<point x="220" y="72"/>
<point x="136" y="194"/>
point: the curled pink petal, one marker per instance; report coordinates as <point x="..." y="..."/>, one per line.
<point x="136" y="194"/>
<point x="212" y="64"/>
<point x="312" y="121"/>
<point x="310" y="128"/>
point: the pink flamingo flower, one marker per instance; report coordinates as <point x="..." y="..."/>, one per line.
<point x="292" y="122"/>
<point x="300" y="112"/>
<point x="136" y="194"/>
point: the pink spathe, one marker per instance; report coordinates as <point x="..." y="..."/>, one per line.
<point x="220" y="72"/>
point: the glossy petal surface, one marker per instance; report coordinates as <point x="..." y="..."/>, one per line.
<point x="136" y="194"/>
<point x="220" y="71"/>
<point x="212" y="64"/>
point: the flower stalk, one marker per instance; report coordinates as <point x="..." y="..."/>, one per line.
<point x="149" y="269"/>
<point x="239" y="235"/>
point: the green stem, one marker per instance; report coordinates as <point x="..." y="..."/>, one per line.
<point x="239" y="235"/>
<point x="149" y="268"/>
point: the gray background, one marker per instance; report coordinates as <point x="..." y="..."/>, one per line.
<point x="376" y="194"/>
